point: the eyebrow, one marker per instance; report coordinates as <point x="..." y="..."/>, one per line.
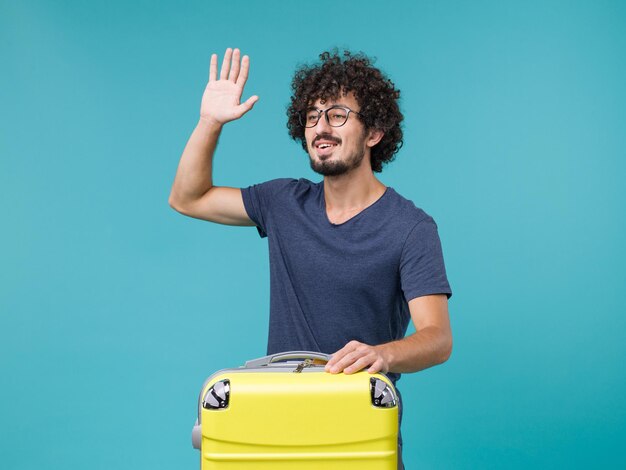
<point x="336" y="104"/>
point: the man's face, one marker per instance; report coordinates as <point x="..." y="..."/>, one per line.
<point x="336" y="150"/>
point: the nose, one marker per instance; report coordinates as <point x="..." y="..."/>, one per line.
<point x="322" y="126"/>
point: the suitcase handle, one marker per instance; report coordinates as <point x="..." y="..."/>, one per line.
<point x="285" y="356"/>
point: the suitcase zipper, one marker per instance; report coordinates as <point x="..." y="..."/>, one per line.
<point x="302" y="365"/>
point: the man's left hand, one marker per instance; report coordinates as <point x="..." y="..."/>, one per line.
<point x="355" y="356"/>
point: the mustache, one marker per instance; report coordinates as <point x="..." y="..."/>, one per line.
<point x="326" y="137"/>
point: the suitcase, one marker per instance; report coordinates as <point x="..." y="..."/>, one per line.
<point x="285" y="412"/>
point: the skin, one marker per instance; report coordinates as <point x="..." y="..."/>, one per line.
<point x="193" y="194"/>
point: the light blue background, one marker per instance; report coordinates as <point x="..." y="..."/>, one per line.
<point x="114" y="308"/>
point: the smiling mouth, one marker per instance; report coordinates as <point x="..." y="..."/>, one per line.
<point x="325" y="146"/>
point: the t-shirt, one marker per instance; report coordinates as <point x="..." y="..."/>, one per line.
<point x="333" y="283"/>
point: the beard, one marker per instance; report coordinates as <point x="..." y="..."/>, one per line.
<point x="336" y="168"/>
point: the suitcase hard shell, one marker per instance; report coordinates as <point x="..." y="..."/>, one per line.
<point x="285" y="412"/>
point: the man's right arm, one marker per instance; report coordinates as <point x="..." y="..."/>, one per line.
<point x="193" y="192"/>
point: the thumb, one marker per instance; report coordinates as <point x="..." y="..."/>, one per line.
<point x="248" y="104"/>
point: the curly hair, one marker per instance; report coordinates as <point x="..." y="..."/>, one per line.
<point x="337" y="76"/>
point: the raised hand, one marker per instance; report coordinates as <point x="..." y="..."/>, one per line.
<point x="221" y="101"/>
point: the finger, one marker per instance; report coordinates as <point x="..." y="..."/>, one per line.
<point x="339" y="355"/>
<point x="250" y="101"/>
<point x="226" y="64"/>
<point x="247" y="105"/>
<point x="336" y="357"/>
<point x="347" y="361"/>
<point x="234" y="70"/>
<point x="243" y="74"/>
<point x="213" y="68"/>
<point x="359" y="364"/>
<point x="376" y="367"/>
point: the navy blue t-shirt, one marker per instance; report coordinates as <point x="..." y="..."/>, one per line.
<point x="333" y="283"/>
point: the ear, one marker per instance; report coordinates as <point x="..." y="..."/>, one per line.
<point x="375" y="136"/>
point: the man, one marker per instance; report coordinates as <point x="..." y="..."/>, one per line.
<point x="351" y="261"/>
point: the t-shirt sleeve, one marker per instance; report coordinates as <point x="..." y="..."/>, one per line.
<point x="422" y="270"/>
<point x="259" y="200"/>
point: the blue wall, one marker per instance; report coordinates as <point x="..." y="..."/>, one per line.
<point x="113" y="308"/>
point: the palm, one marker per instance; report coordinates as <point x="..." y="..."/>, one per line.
<point x="221" y="101"/>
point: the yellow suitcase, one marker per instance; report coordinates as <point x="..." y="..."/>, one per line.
<point x="285" y="412"/>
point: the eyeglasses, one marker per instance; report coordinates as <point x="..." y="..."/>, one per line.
<point x="336" y="116"/>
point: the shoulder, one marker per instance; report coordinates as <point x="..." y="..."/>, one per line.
<point x="420" y="234"/>
<point x="281" y="193"/>
<point x="279" y="185"/>
<point x="406" y="212"/>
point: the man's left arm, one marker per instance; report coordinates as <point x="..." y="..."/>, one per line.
<point x="431" y="344"/>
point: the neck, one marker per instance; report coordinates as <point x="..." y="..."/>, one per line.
<point x="354" y="190"/>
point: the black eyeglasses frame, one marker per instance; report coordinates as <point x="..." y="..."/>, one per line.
<point x="304" y="122"/>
